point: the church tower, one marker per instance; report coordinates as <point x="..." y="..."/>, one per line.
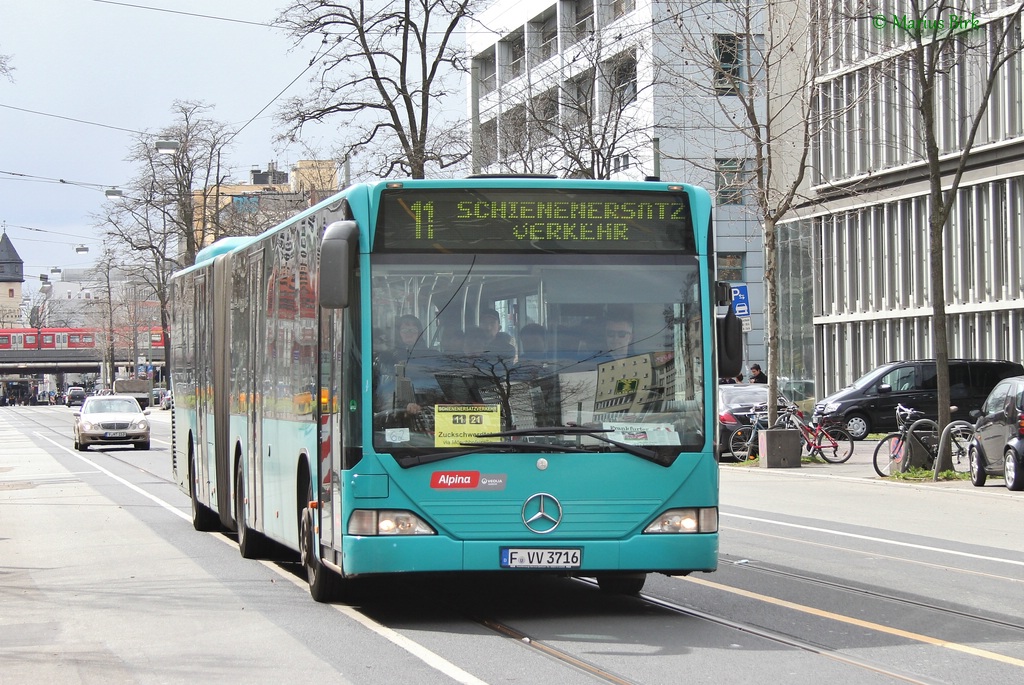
<point x="12" y="275"/>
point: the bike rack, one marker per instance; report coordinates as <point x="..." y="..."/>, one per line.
<point x="917" y="433"/>
<point x="942" y="456"/>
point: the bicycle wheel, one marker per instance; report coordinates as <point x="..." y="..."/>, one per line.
<point x="739" y="443"/>
<point x="890" y="455"/>
<point x="959" y="441"/>
<point x="834" y="445"/>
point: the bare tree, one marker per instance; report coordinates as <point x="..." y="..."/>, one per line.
<point x="388" y="69"/>
<point x="951" y="53"/>
<point x="106" y="309"/>
<point x="5" y="67"/>
<point x="170" y="209"/>
<point x="742" y="70"/>
<point x="580" y="122"/>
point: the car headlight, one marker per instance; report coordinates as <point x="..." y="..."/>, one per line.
<point x="86" y="426"/>
<point x="689" y="520"/>
<point x="140" y="425"/>
<point x="831" y="407"/>
<point x="387" y="522"/>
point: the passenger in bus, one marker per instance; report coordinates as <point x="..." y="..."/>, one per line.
<point x="498" y="341"/>
<point x="618" y="336"/>
<point x="408" y="333"/>
<point x="479" y="342"/>
<point x="533" y="343"/>
<point x="452" y="342"/>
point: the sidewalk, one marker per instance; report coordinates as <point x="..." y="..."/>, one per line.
<point x="859" y="466"/>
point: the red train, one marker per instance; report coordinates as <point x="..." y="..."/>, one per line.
<point x="73" y="338"/>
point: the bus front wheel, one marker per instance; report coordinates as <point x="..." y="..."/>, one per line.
<point x="324" y="584"/>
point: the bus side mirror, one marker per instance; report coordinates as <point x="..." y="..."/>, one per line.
<point x="338" y="251"/>
<point x="729" y="335"/>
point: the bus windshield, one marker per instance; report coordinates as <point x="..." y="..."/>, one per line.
<point x="501" y="350"/>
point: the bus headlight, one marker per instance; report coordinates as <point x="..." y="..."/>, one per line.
<point x="691" y="520"/>
<point x="387" y="522"/>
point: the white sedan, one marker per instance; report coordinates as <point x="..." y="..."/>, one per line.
<point x="111" y="420"/>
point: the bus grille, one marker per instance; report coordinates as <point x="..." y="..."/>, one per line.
<point x="503" y="519"/>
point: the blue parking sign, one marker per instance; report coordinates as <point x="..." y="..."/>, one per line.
<point x="740" y="303"/>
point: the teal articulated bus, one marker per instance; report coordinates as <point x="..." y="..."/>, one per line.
<point x="488" y="374"/>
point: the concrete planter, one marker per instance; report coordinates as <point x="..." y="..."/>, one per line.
<point x="779" y="448"/>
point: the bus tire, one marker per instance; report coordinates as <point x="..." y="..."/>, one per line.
<point x="621" y="583"/>
<point x="324" y="584"/>
<point x="251" y="544"/>
<point x="203" y="518"/>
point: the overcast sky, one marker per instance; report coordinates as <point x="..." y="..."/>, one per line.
<point x="121" y="65"/>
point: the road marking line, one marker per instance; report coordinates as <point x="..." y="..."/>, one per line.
<point x="955" y="646"/>
<point x="878" y="555"/>
<point x="869" y="538"/>
<point x="169" y="507"/>
<point x="435" y="661"/>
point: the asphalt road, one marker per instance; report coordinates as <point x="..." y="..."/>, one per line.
<point x="827" y="573"/>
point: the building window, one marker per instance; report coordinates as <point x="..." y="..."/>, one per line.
<point x="487" y="72"/>
<point x="730" y="180"/>
<point x="516" y="46"/>
<point x="10" y="293"/>
<point x="584" y="27"/>
<point x="545" y="116"/>
<point x="548" y="37"/>
<point x="623" y="70"/>
<point x="730" y="267"/>
<point x="622" y="7"/>
<point x="620" y="162"/>
<point x="579" y="104"/>
<point x="727" y="64"/>
<point x="488" y="152"/>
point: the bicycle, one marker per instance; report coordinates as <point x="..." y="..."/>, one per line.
<point x="743" y="440"/>
<point x="829" y="442"/>
<point x="915" y="433"/>
<point x="825" y="440"/>
<point x="895" y="450"/>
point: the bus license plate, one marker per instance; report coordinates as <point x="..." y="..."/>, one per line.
<point x="115" y="434"/>
<point x="531" y="557"/>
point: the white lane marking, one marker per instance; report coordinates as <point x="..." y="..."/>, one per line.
<point x="869" y="538"/>
<point x="435" y="661"/>
<point x="169" y="507"/>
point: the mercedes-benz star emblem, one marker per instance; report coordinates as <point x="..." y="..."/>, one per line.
<point x="542" y="513"/>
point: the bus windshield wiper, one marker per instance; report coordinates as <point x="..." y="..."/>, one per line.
<point x="477" y="447"/>
<point x="581" y="431"/>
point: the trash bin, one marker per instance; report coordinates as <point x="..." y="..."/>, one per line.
<point x="920" y="445"/>
<point x="779" y="447"/>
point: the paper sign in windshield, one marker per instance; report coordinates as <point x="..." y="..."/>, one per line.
<point x="643" y="433"/>
<point x="455" y="424"/>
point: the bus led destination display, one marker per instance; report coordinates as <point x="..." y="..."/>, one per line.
<point x="534" y="219"/>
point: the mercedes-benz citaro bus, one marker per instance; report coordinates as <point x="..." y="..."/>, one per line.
<point x="495" y="374"/>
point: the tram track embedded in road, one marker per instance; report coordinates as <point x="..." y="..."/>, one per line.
<point x="112" y="454"/>
<point x="875" y="594"/>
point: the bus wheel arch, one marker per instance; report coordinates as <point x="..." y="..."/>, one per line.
<point x="251" y="543"/>
<point x="203" y="518"/>
<point x="324" y="584"/>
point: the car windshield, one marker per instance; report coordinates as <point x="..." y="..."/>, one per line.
<point x="467" y="345"/>
<point x="113" y="406"/>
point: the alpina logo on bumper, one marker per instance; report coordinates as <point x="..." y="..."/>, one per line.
<point x="455" y="479"/>
<point x="467" y="480"/>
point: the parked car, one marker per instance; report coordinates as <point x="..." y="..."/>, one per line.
<point x="75" y="397"/>
<point x="736" y="404"/>
<point x="167" y="400"/>
<point x="869" y="405"/>
<point x="111" y="420"/>
<point x="997" y="448"/>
